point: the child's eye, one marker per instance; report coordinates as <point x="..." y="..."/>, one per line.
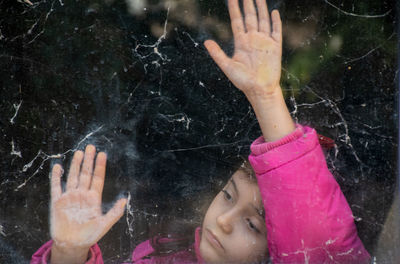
<point x="227" y="195"/>
<point x="252" y="226"/>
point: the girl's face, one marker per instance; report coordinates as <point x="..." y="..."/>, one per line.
<point x="233" y="229"/>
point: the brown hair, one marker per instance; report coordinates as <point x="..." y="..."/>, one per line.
<point x="248" y="170"/>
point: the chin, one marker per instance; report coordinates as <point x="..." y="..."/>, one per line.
<point x="208" y="254"/>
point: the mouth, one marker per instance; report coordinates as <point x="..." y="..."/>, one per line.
<point x="213" y="239"/>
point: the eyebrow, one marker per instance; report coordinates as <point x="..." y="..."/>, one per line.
<point x="260" y="212"/>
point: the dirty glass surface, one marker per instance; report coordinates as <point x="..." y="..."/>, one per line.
<point x="133" y="78"/>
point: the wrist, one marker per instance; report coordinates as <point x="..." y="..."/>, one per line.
<point x="267" y="101"/>
<point x="272" y="115"/>
<point x="267" y="96"/>
<point x="68" y="255"/>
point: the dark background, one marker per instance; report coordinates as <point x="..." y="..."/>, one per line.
<point x="134" y="79"/>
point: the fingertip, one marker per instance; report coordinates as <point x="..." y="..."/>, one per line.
<point x="78" y="154"/>
<point x="209" y="43"/>
<point x="123" y="202"/>
<point x="213" y="48"/>
<point x="275" y="14"/>
<point x="90" y="148"/>
<point x="57" y="169"/>
<point x="276" y="26"/>
<point x="55" y="185"/>
<point x="102" y="156"/>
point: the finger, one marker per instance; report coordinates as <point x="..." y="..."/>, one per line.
<point x="74" y="169"/>
<point x="236" y="17"/>
<point x="99" y="173"/>
<point x="263" y="17"/>
<point x="87" y="168"/>
<point x="276" y="26"/>
<point x="217" y="54"/>
<point x="56" y="173"/>
<point x="115" y="213"/>
<point x="250" y="15"/>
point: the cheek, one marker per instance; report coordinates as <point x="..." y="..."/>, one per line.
<point x="248" y="247"/>
<point x="211" y="212"/>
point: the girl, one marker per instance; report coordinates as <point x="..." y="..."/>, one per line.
<point x="290" y="211"/>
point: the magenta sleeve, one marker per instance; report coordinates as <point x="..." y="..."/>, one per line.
<point x="42" y="255"/>
<point x="307" y="217"/>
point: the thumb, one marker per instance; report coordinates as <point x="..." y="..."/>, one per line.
<point x="115" y="213"/>
<point x="217" y="54"/>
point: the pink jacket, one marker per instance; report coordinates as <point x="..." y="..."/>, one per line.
<point x="139" y="256"/>
<point x="307" y="216"/>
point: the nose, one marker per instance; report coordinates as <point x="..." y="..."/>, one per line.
<point x="225" y="221"/>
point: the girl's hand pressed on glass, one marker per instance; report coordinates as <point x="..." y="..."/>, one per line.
<point x="255" y="67"/>
<point x="76" y="217"/>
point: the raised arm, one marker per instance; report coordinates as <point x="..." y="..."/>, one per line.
<point x="307" y="217"/>
<point x="255" y="67"/>
<point x="76" y="218"/>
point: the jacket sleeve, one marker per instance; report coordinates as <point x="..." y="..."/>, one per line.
<point x="142" y="251"/>
<point x="42" y="256"/>
<point x="307" y="217"/>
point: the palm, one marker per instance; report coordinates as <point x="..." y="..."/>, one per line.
<point x="76" y="217"/>
<point x="257" y="58"/>
<point x="256" y="63"/>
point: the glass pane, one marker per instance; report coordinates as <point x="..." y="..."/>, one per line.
<point x="134" y="78"/>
